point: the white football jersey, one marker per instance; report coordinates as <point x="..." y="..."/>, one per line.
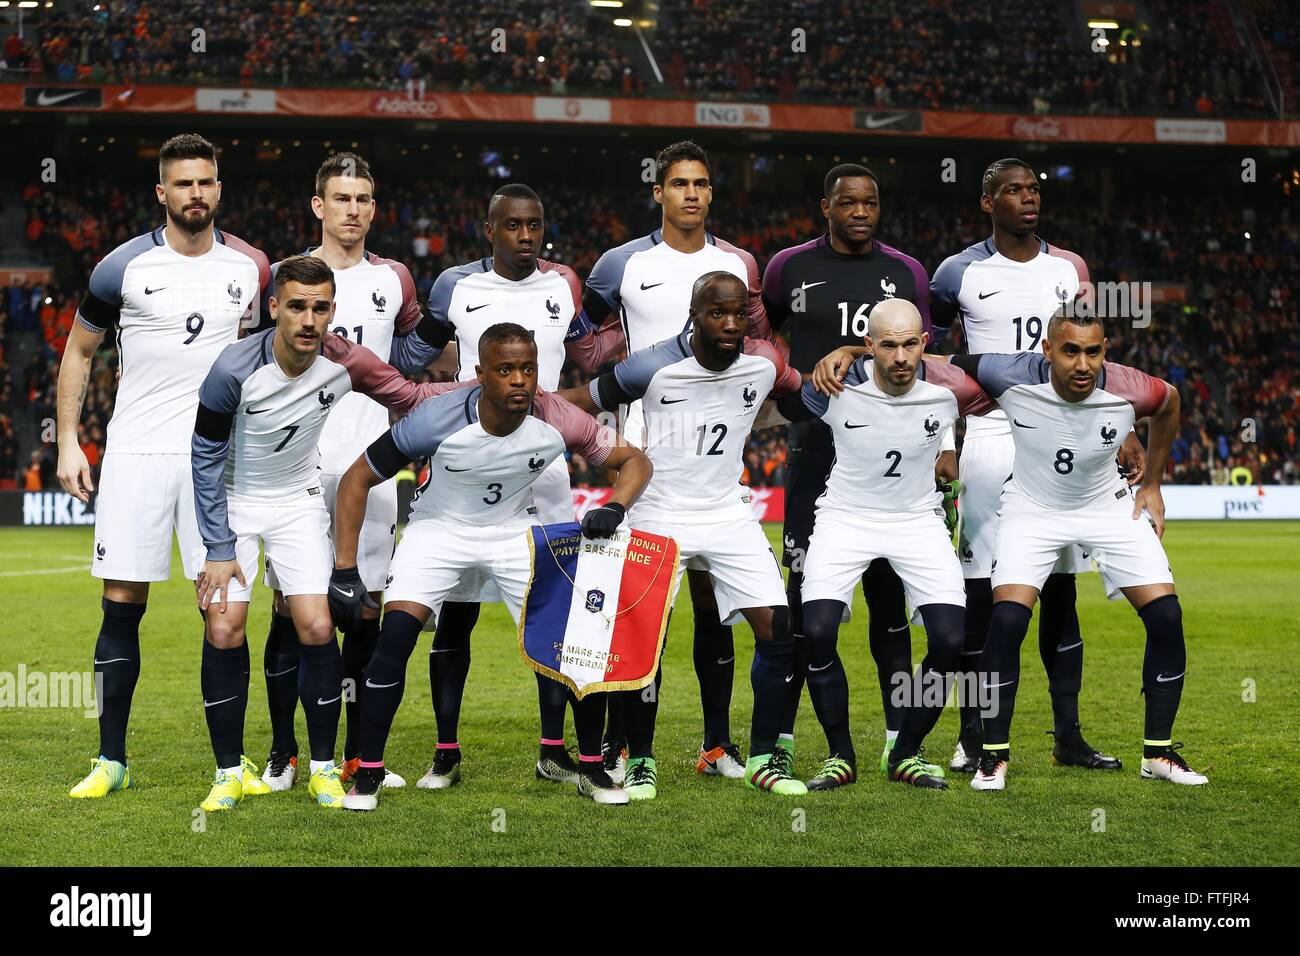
<point x="173" y="314"/>
<point x="648" y="283"/>
<point x="1005" y="305"/>
<point x="886" y="445"/>
<point x="373" y="301"/>
<point x="471" y="298"/>
<point x="697" y="420"/>
<point x="477" y="478"/>
<point x="257" y="431"/>
<point x="1065" y="451"/>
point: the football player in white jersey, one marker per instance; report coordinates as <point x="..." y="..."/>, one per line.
<point x="513" y="285"/>
<point x="175" y="297"/>
<point x="887" y="417"/>
<point x="702" y="390"/>
<point x="647" y="283"/>
<point x="376" y="308"/>
<point x="486" y="448"/>
<point x="1004" y="289"/>
<point x="255" y="453"/>
<point x="1067" y="407"/>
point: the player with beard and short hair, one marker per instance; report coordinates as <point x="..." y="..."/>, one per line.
<point x="820" y="294"/>
<point x="1004" y="289"/>
<point x="513" y="285"/>
<point x="647" y="283"/>
<point x="173" y="298"/>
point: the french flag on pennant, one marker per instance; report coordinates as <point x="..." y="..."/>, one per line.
<point x="596" y="609"/>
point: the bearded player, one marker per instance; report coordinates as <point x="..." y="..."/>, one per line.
<point x="174" y="297"/>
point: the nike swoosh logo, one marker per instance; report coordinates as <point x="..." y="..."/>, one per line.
<point x="149" y="291"/>
<point x="895" y="630"/>
<point x="1022" y="424"/>
<point x="1003" y="684"/>
<point x="348" y="593"/>
<point x="475" y="308"/>
<point x="381" y="686"/>
<point x="817" y="670"/>
<point x="653" y="285"/>
<point x="808" y="285"/>
<point x="873" y="123"/>
<point x="282" y="673"/>
<point x="322" y="703"/>
<point x="257" y="411"/>
<point x="442" y="650"/>
<point x="847" y="425"/>
<point x="449" y="468"/>
<point x="728" y="660"/>
<point x="1068" y="647"/>
<point x="985" y="295"/>
<point x="1164" y="680"/>
<point x="113" y="660"/>
<point x="53" y="99"/>
<point x="215" y="702"/>
<point x="790" y="678"/>
<point x="670" y="401"/>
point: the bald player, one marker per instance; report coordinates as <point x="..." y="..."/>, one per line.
<point x="886" y="418"/>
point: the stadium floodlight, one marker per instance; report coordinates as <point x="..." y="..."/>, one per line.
<point x="622" y="22"/>
<point x="28" y="4"/>
<point x="1103" y="24"/>
<point x="607" y="3"/>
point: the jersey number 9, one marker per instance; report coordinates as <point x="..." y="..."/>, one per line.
<point x="193" y="325"/>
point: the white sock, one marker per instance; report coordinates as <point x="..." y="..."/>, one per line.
<point x="320" y="765"/>
<point x="891" y="736"/>
<point x="237" y="772"/>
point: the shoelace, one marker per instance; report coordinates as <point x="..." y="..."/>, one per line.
<point x="277" y="764"/>
<point x="639" y="774"/>
<point x="834" y="768"/>
<point x="1174" y="757"/>
<point x="781" y="759"/>
<point x="732" y="751"/>
<point x="443" y="765"/>
<point x="611" y="756"/>
<point x="989" y="763"/>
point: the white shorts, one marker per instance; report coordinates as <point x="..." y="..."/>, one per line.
<point x="986" y="463"/>
<point x="1127" y="551"/>
<point x="917" y="546"/>
<point x="296" y="537"/>
<point x="434" y="556"/>
<point x="728" y="543"/>
<point x="142" y="501"/>
<point x="553" y="502"/>
<point x="378" y="535"/>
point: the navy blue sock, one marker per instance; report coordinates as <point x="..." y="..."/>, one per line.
<point x="449" y="659"/>
<point x="794" y="598"/>
<point x="385" y="680"/>
<point x="281" y="660"/>
<point x="322" y="696"/>
<point x="1060" y="645"/>
<point x="944" y="635"/>
<point x="979" y="609"/>
<point x="889" y="635"/>
<point x="358" y="645"/>
<point x="828" y="685"/>
<point x="117" y="669"/>
<point x="1163" y="668"/>
<point x="715" y="667"/>
<point x="224" y="680"/>
<point x="1000" y="671"/>
<point x="770" y="676"/>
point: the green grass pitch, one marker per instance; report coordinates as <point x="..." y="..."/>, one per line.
<point x="1239" y="590"/>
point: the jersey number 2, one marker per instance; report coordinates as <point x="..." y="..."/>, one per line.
<point x="720" y="430"/>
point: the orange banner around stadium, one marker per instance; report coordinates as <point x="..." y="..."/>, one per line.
<point x="708" y="114"/>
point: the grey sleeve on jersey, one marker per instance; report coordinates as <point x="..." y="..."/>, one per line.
<point x="606" y="279"/>
<point x="804" y="404"/>
<point x="419" y="434"/>
<point x="413" y="351"/>
<point x="219" y="398"/>
<point x="635" y="372"/>
<point x="99" y="310"/>
<point x="998" y="371"/>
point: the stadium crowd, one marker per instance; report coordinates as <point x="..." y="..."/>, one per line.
<point x="1188" y="60"/>
<point x="1231" y="348"/>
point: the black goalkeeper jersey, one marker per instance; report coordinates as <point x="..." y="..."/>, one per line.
<point x="820" y="298"/>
